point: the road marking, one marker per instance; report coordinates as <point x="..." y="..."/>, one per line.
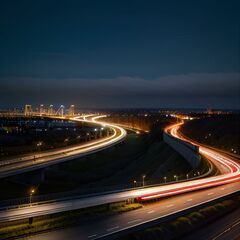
<point x="235" y="224"/>
<point x="222" y="233"/>
<point x="210" y="193"/>
<point x="190" y="199"/>
<point x="91" y="236"/>
<point x="152" y="211"/>
<point x="113" y="228"/>
<point x="133" y="221"/>
<point x="171" y="205"/>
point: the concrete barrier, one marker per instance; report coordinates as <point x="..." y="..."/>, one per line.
<point x="188" y="151"/>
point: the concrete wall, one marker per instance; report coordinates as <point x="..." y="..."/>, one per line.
<point x="187" y="150"/>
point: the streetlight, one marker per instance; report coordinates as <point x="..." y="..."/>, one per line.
<point x="32" y="191"/>
<point x="143" y="177"/>
<point x="134" y="183"/>
<point x="176" y="177"/>
<point x="187" y="176"/>
<point x="39" y="144"/>
<point x="165" y="179"/>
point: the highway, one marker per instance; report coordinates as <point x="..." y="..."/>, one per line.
<point x="211" y="188"/>
<point x="225" y="228"/>
<point x="108" y="226"/>
<point x="36" y="161"/>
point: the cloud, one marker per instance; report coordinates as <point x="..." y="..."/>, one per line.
<point x="195" y="89"/>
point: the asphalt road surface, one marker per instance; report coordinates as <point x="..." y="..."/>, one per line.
<point x="101" y="227"/>
<point x="225" y="228"/>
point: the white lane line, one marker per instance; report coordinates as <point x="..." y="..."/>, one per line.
<point x="189" y="200"/>
<point x="91" y="236"/>
<point x="235" y="224"/>
<point x="222" y="233"/>
<point x="152" y="211"/>
<point x="210" y="193"/>
<point x="113" y="228"/>
<point x="133" y="221"/>
<point x="171" y="205"/>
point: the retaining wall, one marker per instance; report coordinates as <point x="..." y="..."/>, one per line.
<point x="188" y="151"/>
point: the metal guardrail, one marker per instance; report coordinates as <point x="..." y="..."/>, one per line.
<point x="90" y="192"/>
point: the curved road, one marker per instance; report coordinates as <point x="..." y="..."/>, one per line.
<point x="211" y="188"/>
<point x="36" y="161"/>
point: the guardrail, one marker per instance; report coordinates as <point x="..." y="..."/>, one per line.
<point x="88" y="192"/>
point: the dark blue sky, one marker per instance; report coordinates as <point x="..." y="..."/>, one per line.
<point x="120" y="53"/>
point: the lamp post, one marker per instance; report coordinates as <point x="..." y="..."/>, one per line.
<point x="187" y="176"/>
<point x="96" y="132"/>
<point x="134" y="183"/>
<point x="165" y="179"/>
<point x="30" y="197"/>
<point x="176" y="177"/>
<point x="143" y="177"/>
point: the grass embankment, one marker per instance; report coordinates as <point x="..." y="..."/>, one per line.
<point x="179" y="227"/>
<point x="103" y="171"/>
<point x="121" y="165"/>
<point x="62" y="220"/>
<point x="221" y="131"/>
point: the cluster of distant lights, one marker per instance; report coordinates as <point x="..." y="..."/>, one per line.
<point x="179" y="116"/>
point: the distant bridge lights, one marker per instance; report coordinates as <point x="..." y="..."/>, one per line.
<point x="50" y="111"/>
<point x="28" y="110"/>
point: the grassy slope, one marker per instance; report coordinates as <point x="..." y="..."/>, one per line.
<point x="116" y="166"/>
<point x="219" y="131"/>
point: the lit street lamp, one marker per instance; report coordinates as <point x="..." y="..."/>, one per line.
<point x="30" y="197"/>
<point x="187" y="176"/>
<point x="134" y="183"/>
<point x="165" y="179"/>
<point x="176" y="177"/>
<point x="39" y="144"/>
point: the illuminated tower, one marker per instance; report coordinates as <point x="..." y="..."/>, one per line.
<point x="61" y="111"/>
<point x="71" y="110"/>
<point x="50" y="110"/>
<point x="41" y="110"/>
<point x="28" y="110"/>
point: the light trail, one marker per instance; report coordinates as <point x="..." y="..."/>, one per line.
<point x="35" y="161"/>
<point x="230" y="174"/>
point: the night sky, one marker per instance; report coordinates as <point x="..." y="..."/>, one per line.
<point x="120" y="53"/>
